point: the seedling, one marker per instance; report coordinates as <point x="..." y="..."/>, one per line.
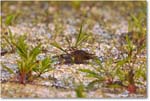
<point x="98" y="73"/>
<point x="43" y="66"/>
<point x="135" y="45"/>
<point x="80" y="91"/>
<point x="10" y="19"/>
<point x="27" y="60"/>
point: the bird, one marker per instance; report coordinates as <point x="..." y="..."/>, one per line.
<point x="80" y="56"/>
<point x="74" y="56"/>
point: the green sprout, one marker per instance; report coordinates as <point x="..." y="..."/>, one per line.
<point x="80" y="91"/>
<point x="43" y="66"/>
<point x="27" y="60"/>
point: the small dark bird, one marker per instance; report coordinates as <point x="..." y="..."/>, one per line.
<point x="79" y="56"/>
<point x="74" y="56"/>
<point x="65" y="58"/>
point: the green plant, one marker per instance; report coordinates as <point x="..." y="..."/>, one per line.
<point x="134" y="47"/>
<point x="8" y="69"/>
<point x="127" y="66"/>
<point x="10" y="19"/>
<point x="43" y="66"/>
<point x="10" y="39"/>
<point x="137" y="29"/>
<point x="98" y="73"/>
<point x="27" y="60"/>
<point x="80" y="91"/>
<point x="57" y="45"/>
<point x="104" y="74"/>
<point x="80" y="38"/>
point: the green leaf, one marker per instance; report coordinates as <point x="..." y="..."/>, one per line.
<point x="141" y="72"/>
<point x="90" y="73"/>
<point x="46" y="65"/>
<point x="98" y="62"/>
<point x="8" y="69"/>
<point x="91" y="84"/>
<point x="121" y="62"/>
<point x="43" y="66"/>
<point x="22" y="47"/>
<point x="9" y="19"/>
<point x="10" y="39"/>
<point x="81" y="37"/>
<point x="68" y="41"/>
<point x="35" y="51"/>
<point x="129" y="44"/>
<point x="120" y="74"/>
<point x="46" y="62"/>
<point x="55" y="44"/>
<point x="79" y="91"/>
<point x="30" y="67"/>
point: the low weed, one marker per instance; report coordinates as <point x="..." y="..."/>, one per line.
<point x="43" y="66"/>
<point x="80" y="91"/>
<point x="10" y="19"/>
<point x="135" y="46"/>
<point x="27" y="60"/>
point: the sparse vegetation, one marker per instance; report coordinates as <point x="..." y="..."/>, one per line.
<point x="135" y="45"/>
<point x="27" y="60"/>
<point x="61" y="56"/>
